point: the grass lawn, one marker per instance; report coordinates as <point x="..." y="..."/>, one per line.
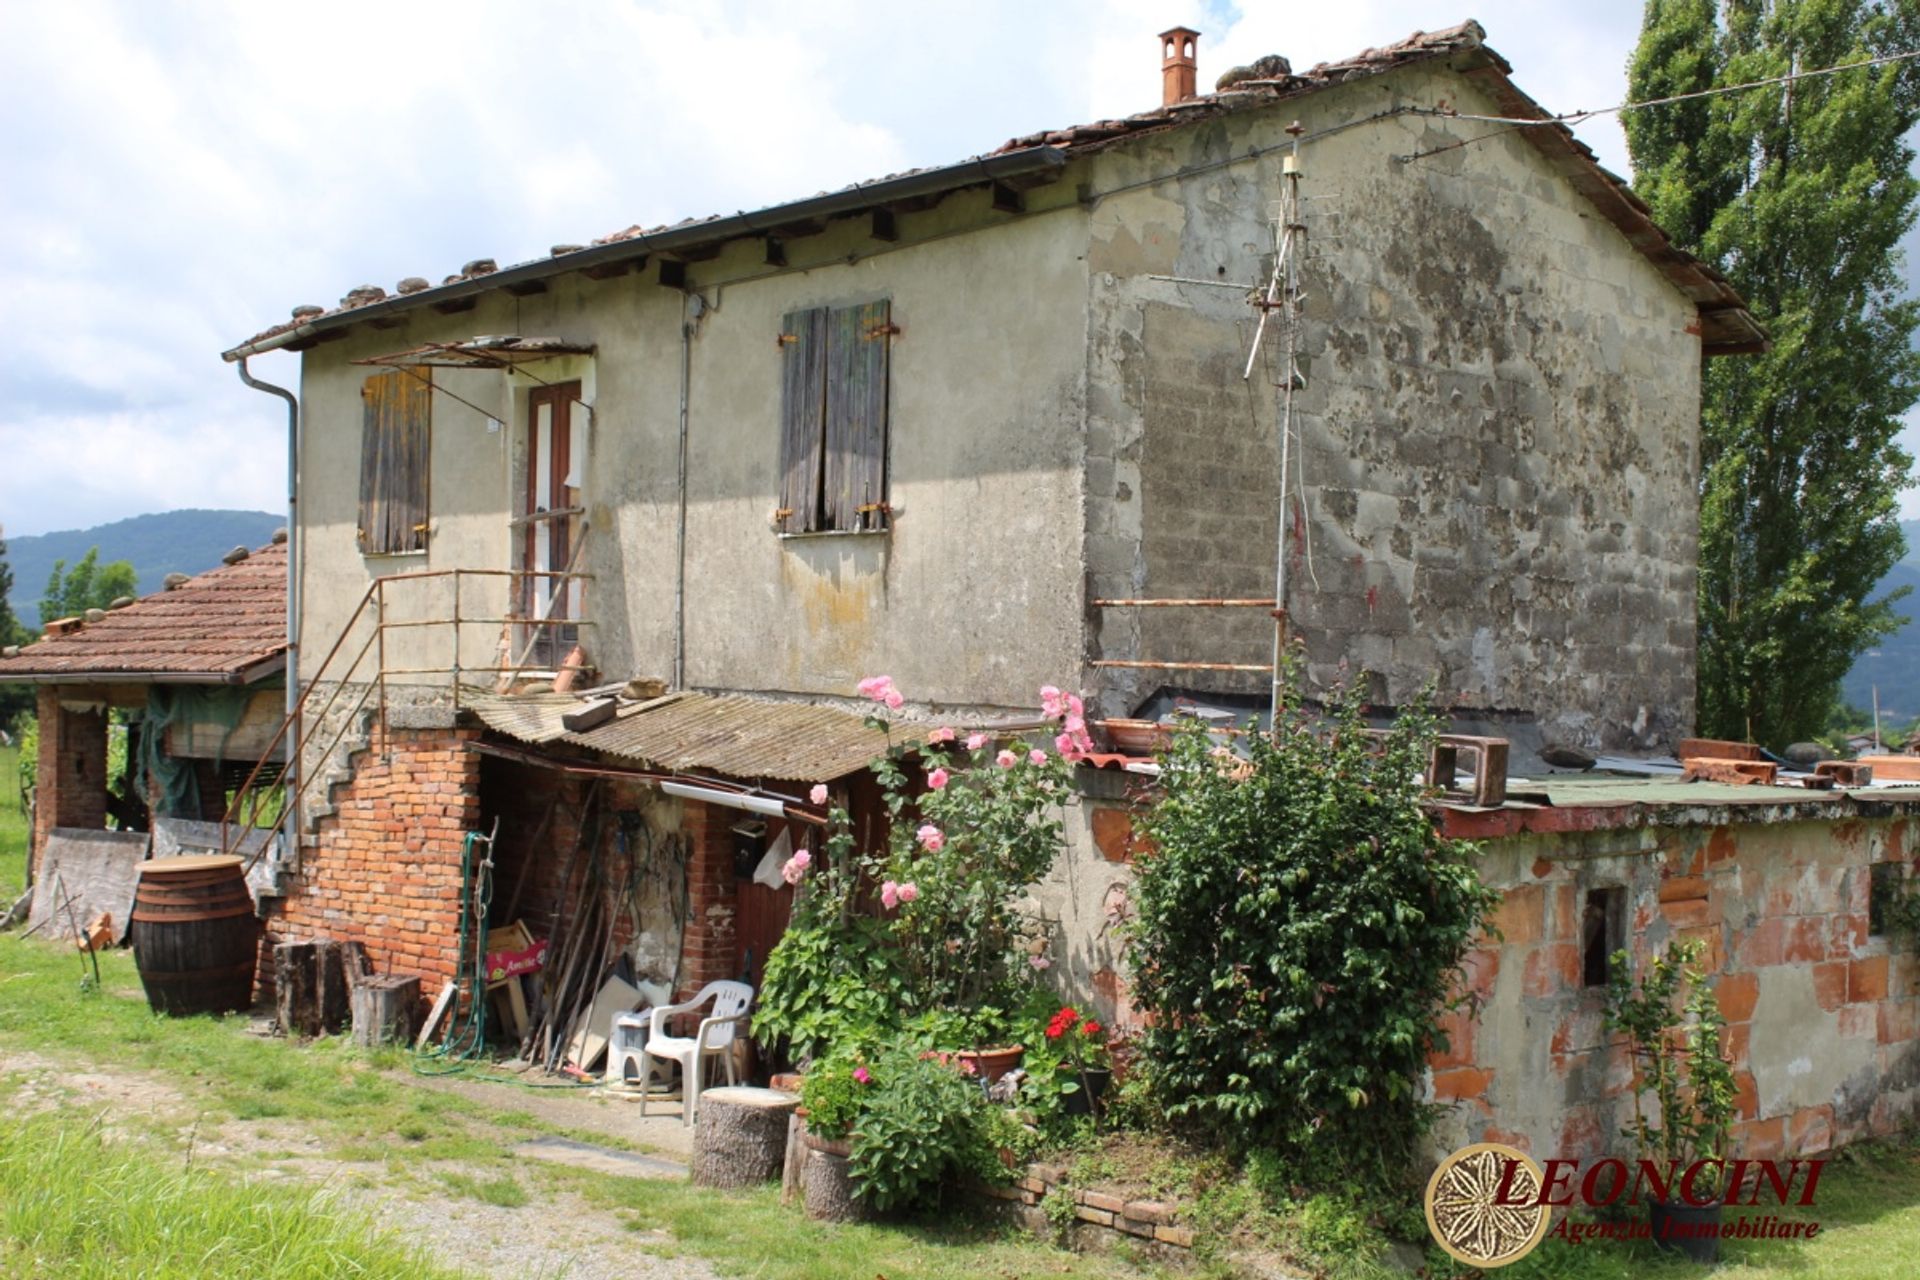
<point x="13" y="829"/>
<point x="371" y="1110"/>
<point x="1869" y="1216"/>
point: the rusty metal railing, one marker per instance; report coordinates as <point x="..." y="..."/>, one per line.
<point x="291" y="732"/>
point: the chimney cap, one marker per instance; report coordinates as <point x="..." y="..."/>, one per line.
<point x="1178" y="31"/>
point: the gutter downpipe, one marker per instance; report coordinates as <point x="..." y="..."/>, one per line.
<point x="291" y="773"/>
<point x="680" y="547"/>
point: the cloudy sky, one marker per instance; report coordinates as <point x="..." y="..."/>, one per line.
<point x="179" y="175"/>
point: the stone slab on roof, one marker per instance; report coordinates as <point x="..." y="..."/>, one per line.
<point x="225" y="626"/>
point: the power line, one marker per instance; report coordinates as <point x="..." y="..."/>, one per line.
<point x="1578" y="117"/>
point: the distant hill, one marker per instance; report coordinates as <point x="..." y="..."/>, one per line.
<point x="1894" y="664"/>
<point x="165" y="542"/>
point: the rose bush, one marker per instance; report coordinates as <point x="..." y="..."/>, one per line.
<point x="927" y="933"/>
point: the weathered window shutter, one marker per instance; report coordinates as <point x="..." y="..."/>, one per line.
<point x="856" y="458"/>
<point x="803" y="347"/>
<point x="395" y="436"/>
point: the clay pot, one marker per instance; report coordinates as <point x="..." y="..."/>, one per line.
<point x="990" y="1064"/>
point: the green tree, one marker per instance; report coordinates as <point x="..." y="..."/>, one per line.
<point x="88" y="585"/>
<point x="15" y="699"/>
<point x="1799" y="193"/>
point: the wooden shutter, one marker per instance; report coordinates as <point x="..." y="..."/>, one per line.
<point x="856" y="435"/>
<point x="803" y="347"/>
<point x="394" y="439"/>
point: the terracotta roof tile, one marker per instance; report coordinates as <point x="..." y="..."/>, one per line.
<point x="217" y="626"/>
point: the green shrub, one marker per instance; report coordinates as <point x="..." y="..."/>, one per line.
<point x="1298" y="928"/>
<point x="920" y="1123"/>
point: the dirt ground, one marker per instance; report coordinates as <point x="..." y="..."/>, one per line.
<point x="556" y="1235"/>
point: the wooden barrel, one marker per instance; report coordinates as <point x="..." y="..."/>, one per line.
<point x="195" y="935"/>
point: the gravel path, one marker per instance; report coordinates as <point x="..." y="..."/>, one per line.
<point x="556" y="1235"/>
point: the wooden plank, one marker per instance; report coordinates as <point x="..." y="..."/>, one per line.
<point x="803" y="348"/>
<point x="439" y="1011"/>
<point x="856" y="435"/>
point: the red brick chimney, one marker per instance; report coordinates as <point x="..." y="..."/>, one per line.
<point x="1179" y="65"/>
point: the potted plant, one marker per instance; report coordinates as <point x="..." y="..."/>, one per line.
<point x="1674" y="1032"/>
<point x="1082" y="1044"/>
<point x="831" y="1099"/>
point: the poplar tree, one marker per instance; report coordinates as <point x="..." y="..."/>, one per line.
<point x="1798" y="192"/>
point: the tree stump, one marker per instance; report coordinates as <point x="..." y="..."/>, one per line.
<point x="741" y="1137"/>
<point x="311" y="984"/>
<point x="827" y="1183"/>
<point x="385" y="1010"/>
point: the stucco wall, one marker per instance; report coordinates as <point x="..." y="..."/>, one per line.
<point x="1497" y="436"/>
<point x="972" y="598"/>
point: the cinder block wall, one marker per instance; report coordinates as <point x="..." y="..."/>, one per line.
<point x="1823" y="1017"/>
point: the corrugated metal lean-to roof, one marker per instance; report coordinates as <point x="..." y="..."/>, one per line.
<point x="737" y="736"/>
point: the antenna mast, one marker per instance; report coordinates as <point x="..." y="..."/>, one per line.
<point x="1283" y="295"/>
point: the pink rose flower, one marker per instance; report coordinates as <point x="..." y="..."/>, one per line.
<point x="875" y="687"/>
<point x="1036" y="756"/>
<point x="942" y="734"/>
<point x="894" y="699"/>
<point x="803" y="859"/>
<point x="1040" y="962"/>
<point x="932" y="838"/>
<point x="795" y="868"/>
<point x="909" y="891"/>
<point x="889" y="895"/>
<point x="1075" y="723"/>
<point x="938" y="779"/>
<point x="1006" y="759"/>
<point x="1075" y="707"/>
<point x="819" y="793"/>
<point x="862" y="1075"/>
<point x="975" y="741"/>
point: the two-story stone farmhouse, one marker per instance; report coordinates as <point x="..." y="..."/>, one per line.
<point x="926" y="426"/>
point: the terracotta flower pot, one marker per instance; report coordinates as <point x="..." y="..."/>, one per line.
<point x="990" y="1064"/>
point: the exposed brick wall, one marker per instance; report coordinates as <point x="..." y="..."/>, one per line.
<point x="385" y="871"/>
<point x="1823" y="1020"/>
<point x="71" y="785"/>
<point x="708" y="952"/>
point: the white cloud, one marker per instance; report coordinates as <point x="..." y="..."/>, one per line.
<point x="178" y="175"/>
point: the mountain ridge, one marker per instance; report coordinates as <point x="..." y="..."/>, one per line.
<point x="189" y="540"/>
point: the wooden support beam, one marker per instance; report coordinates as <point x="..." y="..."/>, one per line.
<point x="527" y="288"/>
<point x="885" y="226"/>
<point x="453" y="305"/>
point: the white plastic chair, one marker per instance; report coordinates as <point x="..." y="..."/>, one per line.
<point x="731" y="1000"/>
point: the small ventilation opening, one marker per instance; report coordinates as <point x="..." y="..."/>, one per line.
<point x="1881" y="891"/>
<point x="1603" y="931"/>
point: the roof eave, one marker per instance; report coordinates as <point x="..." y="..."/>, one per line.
<point x="975" y="172"/>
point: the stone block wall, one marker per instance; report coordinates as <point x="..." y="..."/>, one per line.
<point x="1823" y="1016"/>
<point x="385" y="869"/>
